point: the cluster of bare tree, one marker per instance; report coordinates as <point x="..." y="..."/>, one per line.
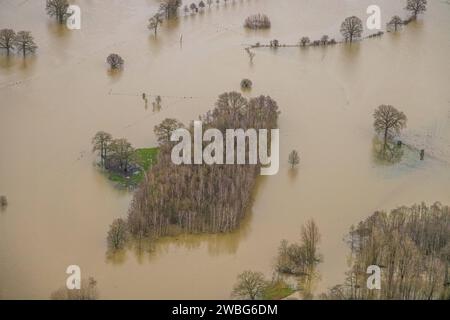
<point x="116" y="155"/>
<point x="22" y="42"/>
<point x="200" y="198"/>
<point x="87" y="291"/>
<point x="411" y="245"/>
<point x="257" y="21"/>
<point x="195" y="8"/>
<point x="295" y="260"/>
<point x="294" y="159"/>
<point x="300" y="259"/>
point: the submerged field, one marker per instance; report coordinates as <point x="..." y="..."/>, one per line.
<point x="60" y="205"/>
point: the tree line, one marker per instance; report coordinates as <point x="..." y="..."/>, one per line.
<point x="22" y="42"/>
<point x="411" y="245"/>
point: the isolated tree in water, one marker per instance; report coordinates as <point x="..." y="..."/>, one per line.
<point x="416" y="7"/>
<point x="24" y="43"/>
<point x="304" y="41"/>
<point x="352" y="28"/>
<point x="101" y="144"/>
<point x="201" y="5"/>
<point x="7" y="37"/>
<point x="294" y="159"/>
<point x="115" y="61"/>
<point x="395" y="23"/>
<point x="154" y="22"/>
<point x="122" y="152"/>
<point x="250" y="285"/>
<point x="58" y="9"/>
<point x="388" y="121"/>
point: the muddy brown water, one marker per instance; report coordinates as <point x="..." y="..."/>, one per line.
<point x="52" y="104"/>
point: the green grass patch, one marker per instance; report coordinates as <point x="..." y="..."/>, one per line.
<point x="144" y="158"/>
<point x="277" y="290"/>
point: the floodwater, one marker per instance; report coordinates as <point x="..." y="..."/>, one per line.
<point x="52" y="104"/>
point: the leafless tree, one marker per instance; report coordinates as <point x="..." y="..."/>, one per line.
<point x="416" y="7"/>
<point x="388" y="121"/>
<point x="395" y="23"/>
<point x="324" y="40"/>
<point x="7" y="37"/>
<point x="117" y="234"/>
<point x="170" y="8"/>
<point x="154" y="22"/>
<point x="352" y="28"/>
<point x="164" y="130"/>
<point x="24" y="43"/>
<point x="201" y="5"/>
<point x="101" y="143"/>
<point x="3" y="202"/>
<point x="250" y="285"/>
<point x="58" y="9"/>
<point x="193" y="7"/>
<point x="246" y="84"/>
<point x="294" y="159"/>
<point x="250" y="54"/>
<point x="122" y="152"/>
<point x="304" y="41"/>
<point x="115" y="61"/>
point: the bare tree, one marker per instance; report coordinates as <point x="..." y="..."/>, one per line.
<point x="352" y="28"/>
<point x="115" y="61"/>
<point x="165" y="129"/>
<point x="416" y="7"/>
<point x="310" y="239"/>
<point x="388" y="121"/>
<point x="250" y="54"/>
<point x="250" y="285"/>
<point x="170" y="7"/>
<point x="3" y="202"/>
<point x="193" y="7"/>
<point x="24" y="43"/>
<point x="395" y="23"/>
<point x="294" y="159"/>
<point x="154" y="22"/>
<point x="122" y="152"/>
<point x="324" y="40"/>
<point x="304" y="41"/>
<point x="117" y="234"/>
<point x="58" y="9"/>
<point x="101" y="143"/>
<point x="246" y="84"/>
<point x="7" y="37"/>
<point x="257" y="21"/>
<point x="201" y="5"/>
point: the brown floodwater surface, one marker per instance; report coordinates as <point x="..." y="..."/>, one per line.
<point x="51" y="104"/>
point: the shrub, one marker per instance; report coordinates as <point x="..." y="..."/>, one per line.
<point x="115" y="61"/>
<point x="246" y="84"/>
<point x="257" y="21"/>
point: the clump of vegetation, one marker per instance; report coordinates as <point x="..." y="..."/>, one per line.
<point x="115" y="61"/>
<point x="169" y="8"/>
<point x="294" y="159"/>
<point x="252" y="285"/>
<point x="416" y="7"/>
<point x="395" y="23"/>
<point x="300" y="259"/>
<point x="24" y="43"/>
<point x="246" y="84"/>
<point x="410" y="244"/>
<point x="154" y="22"/>
<point x="200" y="198"/>
<point x="88" y="291"/>
<point x="3" y="202"/>
<point x="125" y="165"/>
<point x="257" y="21"/>
<point x="58" y="9"/>
<point x="352" y="29"/>
<point x="304" y="41"/>
<point x="117" y="235"/>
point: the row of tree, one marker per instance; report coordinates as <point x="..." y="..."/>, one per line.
<point x="22" y="42"/>
<point x="411" y="245"/>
